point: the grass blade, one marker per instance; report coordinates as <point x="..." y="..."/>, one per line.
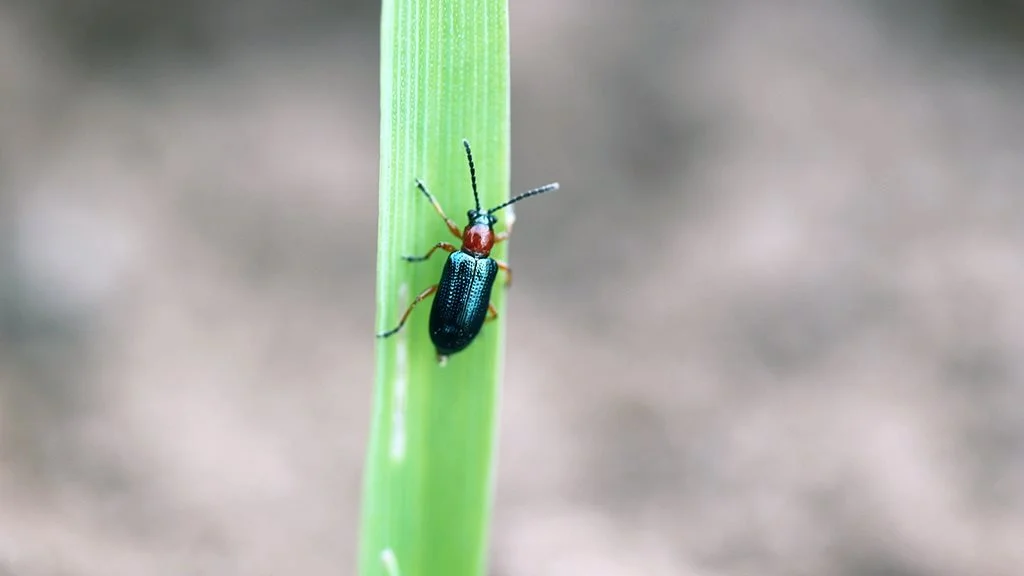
<point x="430" y="466"/>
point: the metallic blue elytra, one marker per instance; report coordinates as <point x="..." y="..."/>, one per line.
<point x="461" y="302"/>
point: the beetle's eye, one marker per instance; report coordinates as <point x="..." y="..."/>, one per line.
<point x="470" y="214"/>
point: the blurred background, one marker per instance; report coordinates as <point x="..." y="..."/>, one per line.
<point x="771" y="325"/>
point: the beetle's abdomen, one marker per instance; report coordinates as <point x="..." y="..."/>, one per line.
<point x="460" y="305"/>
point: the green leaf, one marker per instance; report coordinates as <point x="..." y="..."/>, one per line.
<point x="431" y="462"/>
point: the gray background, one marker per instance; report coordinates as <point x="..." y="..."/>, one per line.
<point x="771" y="325"/>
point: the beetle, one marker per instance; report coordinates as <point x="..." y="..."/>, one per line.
<point x="462" y="298"/>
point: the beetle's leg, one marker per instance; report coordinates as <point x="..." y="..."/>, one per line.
<point x="502" y="236"/>
<point x="441" y="245"/>
<point x="508" y="272"/>
<point x="422" y="296"/>
<point x="433" y="202"/>
<point x="492" y="313"/>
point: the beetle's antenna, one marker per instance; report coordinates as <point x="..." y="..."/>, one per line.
<point x="472" y="172"/>
<point x="525" y="195"/>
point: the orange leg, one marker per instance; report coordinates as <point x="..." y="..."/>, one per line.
<point x="422" y="296"/>
<point x="433" y="202"/>
<point x="508" y="272"/>
<point x="440" y="245"/>
<point x="502" y="236"/>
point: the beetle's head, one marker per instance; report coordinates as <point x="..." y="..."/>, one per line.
<point x="478" y="217"/>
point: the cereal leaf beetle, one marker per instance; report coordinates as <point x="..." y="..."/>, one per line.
<point x="462" y="298"/>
